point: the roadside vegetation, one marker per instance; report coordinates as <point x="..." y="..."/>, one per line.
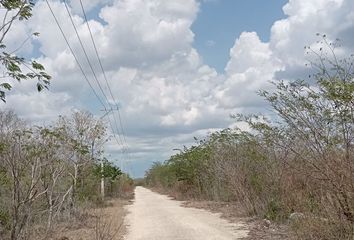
<point x="50" y="175"/>
<point x="296" y="166"/>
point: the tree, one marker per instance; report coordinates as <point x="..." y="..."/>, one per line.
<point x="106" y="170"/>
<point x="46" y="171"/>
<point x="13" y="66"/>
<point x="109" y="170"/>
<point x="85" y="136"/>
<point x="317" y="128"/>
<point x="20" y="158"/>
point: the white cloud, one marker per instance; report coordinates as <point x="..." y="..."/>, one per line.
<point x="142" y="33"/>
<point x="305" y="19"/>
<point x="15" y="40"/>
<point x="251" y="67"/>
<point x="89" y="5"/>
<point x="166" y="92"/>
<point x="40" y="108"/>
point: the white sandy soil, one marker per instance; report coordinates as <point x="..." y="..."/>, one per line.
<point x="153" y="216"/>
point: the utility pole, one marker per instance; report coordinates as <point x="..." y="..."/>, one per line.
<point x="107" y="111"/>
<point x="102" y="171"/>
<point x="102" y="180"/>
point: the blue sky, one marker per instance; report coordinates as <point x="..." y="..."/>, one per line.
<point x="178" y="68"/>
<point x="220" y="22"/>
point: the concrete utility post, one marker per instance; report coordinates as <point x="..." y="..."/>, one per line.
<point x="102" y="161"/>
<point x="102" y="180"/>
<point x="102" y="171"/>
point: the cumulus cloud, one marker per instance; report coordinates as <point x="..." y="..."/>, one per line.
<point x="89" y="5"/>
<point x="251" y="67"/>
<point x="18" y="39"/>
<point x="166" y="93"/>
<point x="142" y="33"/>
<point x="40" y="108"/>
<point x="306" y="18"/>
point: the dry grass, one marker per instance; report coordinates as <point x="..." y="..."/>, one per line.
<point x="106" y="223"/>
<point x="234" y="212"/>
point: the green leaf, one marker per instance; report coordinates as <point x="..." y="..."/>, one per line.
<point x="6" y="86"/>
<point x="2" y="96"/>
<point x="37" y="65"/>
<point x="39" y="87"/>
<point x="13" y="67"/>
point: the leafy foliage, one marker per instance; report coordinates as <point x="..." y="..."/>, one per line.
<point x="107" y="171"/>
<point x="16" y="67"/>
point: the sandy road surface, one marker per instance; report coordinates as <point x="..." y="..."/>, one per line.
<point x="156" y="217"/>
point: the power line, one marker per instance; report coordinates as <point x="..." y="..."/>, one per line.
<point x="121" y="124"/>
<point x="83" y="49"/>
<point x="96" y="51"/>
<point x="76" y="59"/>
<point x="104" y="74"/>
<point x="114" y="135"/>
<point x="116" y="124"/>
<point x="95" y="75"/>
<point x="120" y="141"/>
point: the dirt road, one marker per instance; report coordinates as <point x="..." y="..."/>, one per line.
<point x="156" y="217"/>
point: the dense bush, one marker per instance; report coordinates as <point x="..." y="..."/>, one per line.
<point x="301" y="160"/>
<point x="48" y="173"/>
